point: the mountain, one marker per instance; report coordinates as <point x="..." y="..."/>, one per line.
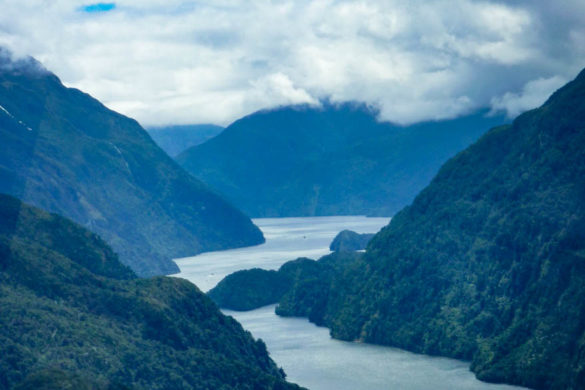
<point x="65" y="152"/>
<point x="329" y="160"/>
<point x="250" y="289"/>
<point x="487" y="264"/>
<point x="299" y="286"/>
<point x="349" y="241"/>
<point x="74" y="317"/>
<point x="176" y="139"/>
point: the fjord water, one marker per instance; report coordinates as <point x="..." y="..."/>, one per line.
<point x="306" y="352"/>
<point x="286" y="239"/>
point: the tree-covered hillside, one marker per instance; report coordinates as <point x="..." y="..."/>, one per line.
<point x="300" y="287"/>
<point x="72" y="316"/>
<point x="487" y="264"/>
<point x="329" y="160"/>
<point x="349" y="241"/>
<point x="64" y="152"/>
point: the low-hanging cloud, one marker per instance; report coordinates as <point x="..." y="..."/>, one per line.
<point x="170" y="61"/>
<point x="534" y="94"/>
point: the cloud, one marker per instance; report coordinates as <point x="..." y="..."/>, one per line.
<point x="534" y="94"/>
<point x="278" y="88"/>
<point x="173" y="61"/>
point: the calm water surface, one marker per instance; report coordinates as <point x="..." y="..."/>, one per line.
<point x="286" y="239"/>
<point x="306" y="352"/>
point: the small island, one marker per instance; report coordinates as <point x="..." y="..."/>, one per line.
<point x="299" y="287"/>
<point x="349" y="241"/>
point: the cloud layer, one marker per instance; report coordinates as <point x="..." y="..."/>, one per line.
<point x="177" y="62"/>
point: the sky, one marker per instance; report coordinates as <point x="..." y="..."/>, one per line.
<point x="182" y="62"/>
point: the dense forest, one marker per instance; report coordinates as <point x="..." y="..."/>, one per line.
<point x="487" y="263"/>
<point x="300" y="287"/>
<point x="398" y="186"/>
<point x="74" y="317"/>
<point x="337" y="159"/>
<point x="65" y="152"/>
<point x="348" y="241"/>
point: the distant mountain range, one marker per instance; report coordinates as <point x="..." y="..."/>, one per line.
<point x="74" y="317"/>
<point x="177" y="139"/>
<point x="64" y="152"/>
<point x="487" y="264"/>
<point x="329" y="160"/>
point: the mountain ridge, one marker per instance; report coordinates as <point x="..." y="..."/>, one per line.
<point x="493" y="240"/>
<point x="66" y="152"/>
<point x="175" y="139"/>
<point x="331" y="160"/>
<point x="487" y="264"/>
<point x="73" y="315"/>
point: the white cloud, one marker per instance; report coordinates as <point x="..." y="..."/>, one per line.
<point x="173" y="61"/>
<point x="533" y="95"/>
<point x="277" y="88"/>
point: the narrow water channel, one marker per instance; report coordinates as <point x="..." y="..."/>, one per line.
<point x="306" y="352"/>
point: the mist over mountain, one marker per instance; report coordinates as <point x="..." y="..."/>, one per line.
<point x="74" y="317"/>
<point x="487" y="264"/>
<point x="336" y="159"/>
<point x="65" y="152"/>
<point x="176" y="139"/>
<point x="416" y="171"/>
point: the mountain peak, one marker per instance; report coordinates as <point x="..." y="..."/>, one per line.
<point x="576" y="86"/>
<point x="20" y="65"/>
<point x="486" y="264"/>
<point x="336" y="159"/>
<point x="102" y="170"/>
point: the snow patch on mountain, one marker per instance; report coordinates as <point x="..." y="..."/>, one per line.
<point x="12" y="116"/>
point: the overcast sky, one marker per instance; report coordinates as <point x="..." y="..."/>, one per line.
<point x="179" y="62"/>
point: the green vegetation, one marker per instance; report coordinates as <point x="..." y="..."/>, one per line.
<point x="309" y="293"/>
<point x="63" y="151"/>
<point x="487" y="264"/>
<point x="250" y="289"/>
<point x="348" y="241"/>
<point x="177" y="139"/>
<point x="300" y="286"/>
<point x="333" y="160"/>
<point x="74" y="317"/>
